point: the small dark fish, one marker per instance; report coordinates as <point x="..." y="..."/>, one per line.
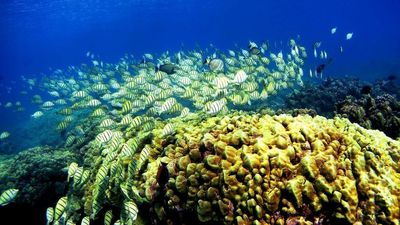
<point x="162" y="175"/>
<point x="254" y="51"/>
<point x="391" y="77"/>
<point x="168" y="68"/>
<point x="366" y="90"/>
<point x="320" y="68"/>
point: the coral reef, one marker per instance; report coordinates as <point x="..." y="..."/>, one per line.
<point x="239" y="169"/>
<point x="321" y="97"/>
<point x="37" y="173"/>
<point x="381" y="113"/>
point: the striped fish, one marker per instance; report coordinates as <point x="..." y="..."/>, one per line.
<point x="61" y="102"/>
<point x="167" y="105"/>
<point x="70" y="222"/>
<point x="60" y="207"/>
<point x="47" y="104"/>
<point x="93" y="103"/>
<point x="72" y="169"/>
<point x="110" y="157"/>
<point x="250" y="87"/>
<point x="131" y="210"/>
<point x="8" y="196"/>
<point x="108" y="217"/>
<point x="98" y="112"/>
<point x="84" y="177"/>
<point x="79" y="94"/>
<point x="127" y="107"/>
<point x="148" y="126"/>
<point x="85" y="221"/>
<point x="126" y="120"/>
<point x="240" y="77"/>
<point x="137" y="121"/>
<point x="104" y="137"/>
<point x="168" y="130"/>
<point x="230" y="61"/>
<point x="80" y="141"/>
<point x="96" y="207"/>
<point x="107" y="123"/>
<point x="221" y="82"/>
<point x="127" y="151"/>
<point x="265" y="60"/>
<point x="185" y="111"/>
<point x="102" y="173"/>
<point x="114" y="143"/>
<point x="215" y="107"/>
<point x="49" y="215"/>
<point x="144" y="154"/>
<point x="70" y="140"/>
<point x="78" y="175"/>
<point x="150" y="99"/>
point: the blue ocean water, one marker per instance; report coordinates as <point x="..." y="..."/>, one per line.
<point x="40" y="36"/>
<point x="37" y="37"/>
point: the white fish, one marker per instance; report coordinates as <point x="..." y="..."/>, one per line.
<point x="216" y="107"/>
<point x="315" y="53"/>
<point x="95" y="63"/>
<point x="341" y="49"/>
<point x="240" y="77"/>
<point x="296" y="49"/>
<point x="310" y="73"/>
<point x="245" y="53"/>
<point x="149" y="56"/>
<point x="37" y="114"/>
<point x="349" y="36"/>
<point x="221" y="82"/>
<point x="4" y="135"/>
<point x="333" y="30"/>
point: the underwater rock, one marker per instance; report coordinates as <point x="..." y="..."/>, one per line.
<point x="319" y="97"/>
<point x="381" y="113"/>
<point x="270" y="170"/>
<point x="38" y="173"/>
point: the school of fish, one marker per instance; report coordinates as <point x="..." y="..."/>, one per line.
<point x="102" y="103"/>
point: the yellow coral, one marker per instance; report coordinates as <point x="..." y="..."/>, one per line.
<point x="258" y="169"/>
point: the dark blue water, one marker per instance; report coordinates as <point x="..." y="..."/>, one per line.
<point x="38" y="35"/>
